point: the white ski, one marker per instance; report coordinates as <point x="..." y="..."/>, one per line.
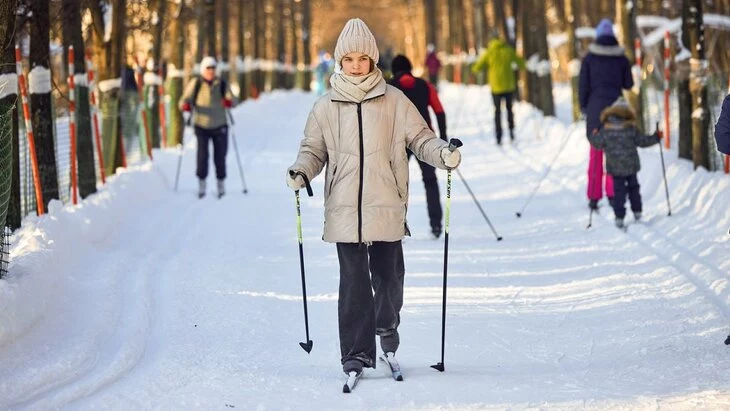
<point x="389" y="358"/>
<point x="352" y="379"/>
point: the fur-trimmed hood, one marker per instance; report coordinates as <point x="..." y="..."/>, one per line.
<point x="621" y="113"/>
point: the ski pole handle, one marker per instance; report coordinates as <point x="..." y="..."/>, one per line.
<point x="455" y="143"/>
<point x="293" y="174"/>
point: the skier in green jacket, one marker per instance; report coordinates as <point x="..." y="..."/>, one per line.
<point x="500" y="60"/>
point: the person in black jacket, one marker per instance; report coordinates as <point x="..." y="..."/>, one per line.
<point x="722" y="128"/>
<point x="423" y="95"/>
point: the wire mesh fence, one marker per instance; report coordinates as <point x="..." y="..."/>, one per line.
<point x="134" y="149"/>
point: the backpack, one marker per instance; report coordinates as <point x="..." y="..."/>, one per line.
<point x="199" y="83"/>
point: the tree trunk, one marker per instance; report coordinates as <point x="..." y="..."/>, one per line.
<point x="684" y="96"/>
<point x="684" y="103"/>
<point x="225" y="70"/>
<point x="573" y="58"/>
<point x="698" y="86"/>
<point x="528" y="77"/>
<point x="240" y="69"/>
<point x="306" y="39"/>
<point x="626" y="19"/>
<point x="175" y="75"/>
<point x="200" y="51"/>
<point x="281" y="19"/>
<point x="159" y="32"/>
<point x="544" y="77"/>
<point x="110" y="57"/>
<point x="40" y="100"/>
<point x="431" y="21"/>
<point x="209" y="33"/>
<point x="501" y="20"/>
<point x="9" y="138"/>
<point x="84" y="142"/>
<point x="259" y="44"/>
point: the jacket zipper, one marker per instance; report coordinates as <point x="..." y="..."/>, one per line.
<point x="362" y="173"/>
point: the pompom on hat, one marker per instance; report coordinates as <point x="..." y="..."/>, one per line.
<point x="604" y="28"/>
<point x="356" y="37"/>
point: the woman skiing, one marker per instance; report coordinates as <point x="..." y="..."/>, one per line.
<point x="360" y="130"/>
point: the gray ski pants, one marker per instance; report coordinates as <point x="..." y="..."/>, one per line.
<point x="371" y="297"/>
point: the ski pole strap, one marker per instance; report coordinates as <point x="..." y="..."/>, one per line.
<point x="293" y="173"/>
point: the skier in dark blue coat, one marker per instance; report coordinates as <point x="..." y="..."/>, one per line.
<point x="605" y="71"/>
<point x="722" y="128"/>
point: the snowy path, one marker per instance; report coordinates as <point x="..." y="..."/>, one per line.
<point x="156" y="300"/>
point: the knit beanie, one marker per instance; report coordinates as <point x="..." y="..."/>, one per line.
<point x="356" y="37"/>
<point x="401" y="64"/>
<point x="604" y="28"/>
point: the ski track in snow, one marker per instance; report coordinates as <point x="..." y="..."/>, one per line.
<point x="196" y="304"/>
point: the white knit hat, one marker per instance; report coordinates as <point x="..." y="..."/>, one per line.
<point x="206" y="62"/>
<point x="356" y="37"/>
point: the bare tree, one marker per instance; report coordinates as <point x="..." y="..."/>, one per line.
<point x="72" y="36"/>
<point x="209" y="31"/>
<point x="573" y="58"/>
<point x="698" y="84"/>
<point x="626" y="19"/>
<point x="306" y="6"/>
<point x="430" y="7"/>
<point x="241" y="73"/>
<point x="40" y="99"/>
<point x="110" y="52"/>
<point x="225" y="50"/>
<point x="175" y="71"/>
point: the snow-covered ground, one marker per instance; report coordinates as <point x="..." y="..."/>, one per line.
<point x="147" y="298"/>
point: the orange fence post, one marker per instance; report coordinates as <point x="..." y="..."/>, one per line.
<point x="94" y="118"/>
<point x="161" y="92"/>
<point x="72" y="123"/>
<point x="40" y="208"/>
<point x="667" y="140"/>
<point x="140" y="84"/>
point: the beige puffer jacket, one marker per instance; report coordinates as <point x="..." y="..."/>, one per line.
<point x="366" y="182"/>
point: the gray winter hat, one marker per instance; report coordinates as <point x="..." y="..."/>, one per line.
<point x="356" y="37"/>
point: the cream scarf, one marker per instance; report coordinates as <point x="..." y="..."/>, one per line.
<point x="355" y="88"/>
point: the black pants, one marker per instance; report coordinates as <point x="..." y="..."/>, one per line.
<point x="497" y="99"/>
<point x="364" y="269"/>
<point x="623" y="186"/>
<point x="219" y="136"/>
<point x="433" y="198"/>
<point x="433" y="79"/>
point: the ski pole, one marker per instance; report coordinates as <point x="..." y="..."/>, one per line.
<point x="664" y="174"/>
<point x="453" y="145"/>
<point x="307" y="346"/>
<point x="182" y="150"/>
<point x="550" y="166"/>
<point x="463" y="180"/>
<point x="238" y="157"/>
<point x="590" y="219"/>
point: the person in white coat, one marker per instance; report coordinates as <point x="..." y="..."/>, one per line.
<point x="360" y="131"/>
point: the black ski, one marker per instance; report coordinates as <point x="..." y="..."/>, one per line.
<point x="352" y="379"/>
<point x="389" y="358"/>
